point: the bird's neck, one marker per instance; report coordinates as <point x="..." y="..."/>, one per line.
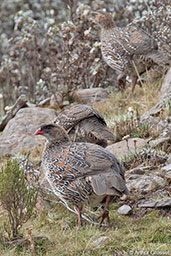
<point x="55" y="144"/>
<point x="108" y="24"/>
<point x="105" y="32"/>
<point x="52" y="148"/>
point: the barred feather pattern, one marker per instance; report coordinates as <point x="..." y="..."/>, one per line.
<point x="84" y="124"/>
<point x="81" y="173"/>
<point x="121" y="47"/>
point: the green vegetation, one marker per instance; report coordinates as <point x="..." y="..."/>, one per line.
<point x="142" y="100"/>
<point x="41" y="55"/>
<point x="54" y="229"/>
<point x="16" y="197"/>
<point x="151" y="233"/>
<point x="123" y="115"/>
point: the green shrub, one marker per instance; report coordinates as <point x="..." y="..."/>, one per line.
<point x="16" y="196"/>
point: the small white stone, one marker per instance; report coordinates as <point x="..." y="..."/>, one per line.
<point x="7" y="108"/>
<point x="166" y="168"/>
<point x="125" y="210"/>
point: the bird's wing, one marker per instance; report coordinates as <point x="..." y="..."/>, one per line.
<point x="101" y="167"/>
<point x="131" y="40"/>
<point x="99" y="160"/>
<point x="158" y="57"/>
<point x="72" y="115"/>
<point x="110" y="184"/>
<point x="94" y="128"/>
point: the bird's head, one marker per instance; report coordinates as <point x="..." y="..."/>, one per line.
<point x="53" y="133"/>
<point x="104" y="19"/>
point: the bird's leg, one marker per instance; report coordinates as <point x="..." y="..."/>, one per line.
<point x="121" y="81"/>
<point x="105" y="213"/>
<point x="76" y="132"/>
<point x="134" y="81"/>
<point x="79" y="211"/>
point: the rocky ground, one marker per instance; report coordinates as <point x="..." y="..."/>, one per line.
<point x="148" y="179"/>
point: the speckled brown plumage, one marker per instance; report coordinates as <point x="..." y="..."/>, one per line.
<point x="128" y="50"/>
<point x="84" y="124"/>
<point x="80" y="173"/>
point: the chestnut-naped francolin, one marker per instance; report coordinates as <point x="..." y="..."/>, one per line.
<point x="129" y="50"/>
<point x="85" y="124"/>
<point x="81" y="173"/>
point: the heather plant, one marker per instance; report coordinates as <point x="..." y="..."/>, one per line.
<point x="17" y="197"/>
<point x="59" y="57"/>
<point x="51" y="46"/>
<point x="146" y="156"/>
<point x="129" y="123"/>
<point x="155" y="20"/>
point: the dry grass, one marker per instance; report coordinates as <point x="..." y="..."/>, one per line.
<point x="149" y="233"/>
<point x="130" y="235"/>
<point x="123" y="115"/>
<point x="142" y="100"/>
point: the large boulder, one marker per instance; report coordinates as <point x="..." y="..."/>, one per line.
<point x="120" y="148"/>
<point x="90" y="96"/>
<point x="165" y="96"/>
<point x="19" y="132"/>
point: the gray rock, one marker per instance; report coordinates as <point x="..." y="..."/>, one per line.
<point x="138" y="170"/>
<point x="56" y="99"/>
<point x="19" y="132"/>
<point x="160" y="203"/>
<point x="90" y="95"/>
<point x="31" y="105"/>
<point x="151" y="115"/>
<point x="159" y="141"/>
<point x="45" y="102"/>
<point x="143" y="183"/>
<point x="20" y="103"/>
<point x="167" y="132"/>
<point x="166" y="86"/>
<point x="125" y="210"/>
<point x="168" y="160"/>
<point x="168" y="176"/>
<point x="157" y="180"/>
<point x="1" y="105"/>
<point x="120" y="149"/>
<point x="166" y="168"/>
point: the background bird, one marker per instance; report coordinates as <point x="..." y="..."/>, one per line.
<point x="128" y="49"/>
<point x="81" y="173"/>
<point x="84" y="124"/>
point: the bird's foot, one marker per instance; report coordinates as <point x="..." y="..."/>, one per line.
<point x="121" y="79"/>
<point x="103" y="216"/>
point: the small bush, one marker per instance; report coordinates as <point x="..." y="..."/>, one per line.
<point x="146" y="156"/>
<point x="16" y="196"/>
<point x="130" y="123"/>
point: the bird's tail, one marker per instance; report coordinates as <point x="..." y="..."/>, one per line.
<point x="159" y="58"/>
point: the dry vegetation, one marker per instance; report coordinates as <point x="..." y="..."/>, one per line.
<point x="54" y="49"/>
<point x="123" y="115"/>
<point x="54" y="229"/>
<point x="59" y="235"/>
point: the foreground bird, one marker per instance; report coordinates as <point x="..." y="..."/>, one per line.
<point x="128" y="50"/>
<point x="80" y="173"/>
<point x="84" y="124"/>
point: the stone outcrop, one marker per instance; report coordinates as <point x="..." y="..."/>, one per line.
<point x="90" y="96"/>
<point x="120" y="148"/>
<point x="18" y="134"/>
